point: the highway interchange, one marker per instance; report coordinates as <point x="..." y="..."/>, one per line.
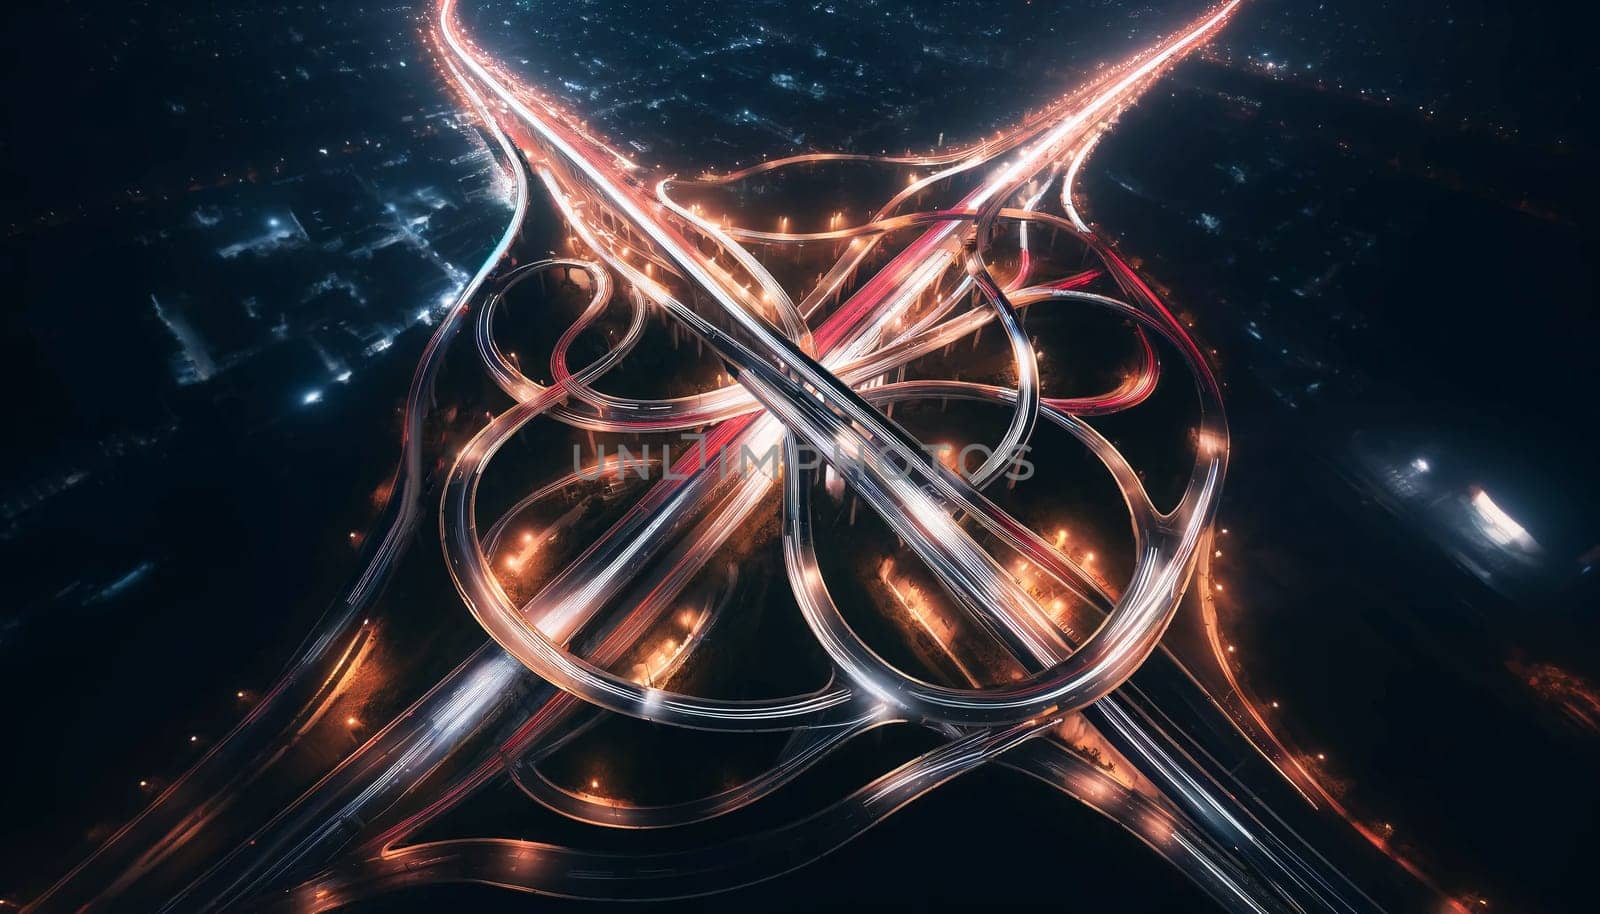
<point x="820" y="370"/>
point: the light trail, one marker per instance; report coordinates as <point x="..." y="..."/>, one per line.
<point x="810" y="367"/>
